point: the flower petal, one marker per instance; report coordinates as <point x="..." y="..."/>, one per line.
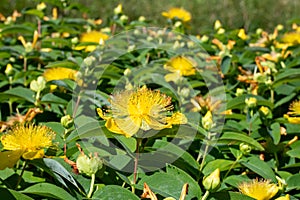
<point x="9" y="158"/>
<point x="30" y="155"/>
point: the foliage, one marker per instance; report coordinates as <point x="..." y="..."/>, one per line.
<point x="224" y="108"/>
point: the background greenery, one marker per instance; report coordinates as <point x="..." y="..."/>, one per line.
<point x="249" y="14"/>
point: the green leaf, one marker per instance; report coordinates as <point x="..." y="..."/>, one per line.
<point x="48" y="190"/>
<point x="170" y="184"/>
<point x="293" y="182"/>
<point x="19" y="93"/>
<point x="51" y="98"/>
<point x="236" y="180"/>
<point x="229" y="196"/>
<point x="8" y="194"/>
<point x="128" y="143"/>
<point x="35" y="12"/>
<point x="288" y="76"/>
<point x="260" y="167"/>
<point x="65" y="64"/>
<point x="112" y="192"/>
<point x="17" y="29"/>
<point x="225" y="65"/>
<point x="275" y="133"/>
<point x="229" y="137"/>
<point x="222" y="164"/>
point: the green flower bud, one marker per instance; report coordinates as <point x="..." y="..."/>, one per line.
<point x="251" y="102"/>
<point x="38" y="85"/>
<point x="212" y="181"/>
<point x="67" y="121"/>
<point x="88" y="165"/>
<point x="245" y="148"/>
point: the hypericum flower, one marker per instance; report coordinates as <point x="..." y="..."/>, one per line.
<point x="293" y="116"/>
<point x="292" y="38"/>
<point x="260" y="190"/>
<point x="28" y="141"/>
<point x="179" y="66"/>
<point x="178" y="13"/>
<point x="91" y="37"/>
<point x="141" y="108"/>
<point x="59" y="73"/>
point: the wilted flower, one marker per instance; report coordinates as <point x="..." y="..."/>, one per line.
<point x="140" y="109"/>
<point x="260" y="190"/>
<point x="27" y="141"/>
<point x="92" y="37"/>
<point x="212" y="181"/>
<point x="293" y="115"/>
<point x="179" y="66"/>
<point x="29" y="46"/>
<point x="178" y="13"/>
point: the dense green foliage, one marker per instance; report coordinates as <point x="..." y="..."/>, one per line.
<point x="239" y="92"/>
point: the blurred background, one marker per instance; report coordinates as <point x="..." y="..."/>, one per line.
<point x="248" y="14"/>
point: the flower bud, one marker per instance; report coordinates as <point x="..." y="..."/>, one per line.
<point x="88" y="165"/>
<point x="251" y="102"/>
<point x="245" y="148"/>
<point x="41" y="6"/>
<point x="212" y="181"/>
<point x="239" y="92"/>
<point x="118" y="9"/>
<point x="9" y="69"/>
<point x="67" y="121"/>
<point x="207" y="121"/>
<point x="242" y="34"/>
<point x="124" y="18"/>
<point x="38" y="85"/>
<point x="217" y="25"/>
<point x="264" y="110"/>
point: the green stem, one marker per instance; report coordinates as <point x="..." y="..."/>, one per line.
<point x="233" y="164"/>
<point x="136" y="161"/>
<point x="20" y="176"/>
<point x="91" y="186"/>
<point x="206" y="194"/>
<point x="204" y="154"/>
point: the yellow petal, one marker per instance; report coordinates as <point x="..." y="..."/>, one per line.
<point x="30" y="155"/>
<point x="9" y="158"/>
<point x="177" y="118"/>
<point x="172" y="77"/>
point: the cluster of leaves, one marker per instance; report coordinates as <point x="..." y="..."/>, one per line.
<point x="249" y="137"/>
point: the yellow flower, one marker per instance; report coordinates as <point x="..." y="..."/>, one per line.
<point x="286" y="197"/>
<point x="242" y="34"/>
<point x="142" y="108"/>
<point x="92" y="37"/>
<point x="27" y="141"/>
<point x="178" y="13"/>
<point x="292" y="38"/>
<point x="179" y="66"/>
<point x="293" y="115"/>
<point x="59" y="73"/>
<point x="260" y="190"/>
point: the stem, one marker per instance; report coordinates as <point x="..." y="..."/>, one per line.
<point x="76" y="106"/>
<point x="20" y="176"/>
<point x="91" y="186"/>
<point x="204" y="154"/>
<point x="233" y="164"/>
<point x="206" y="194"/>
<point x="136" y="161"/>
<point x="272" y="95"/>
